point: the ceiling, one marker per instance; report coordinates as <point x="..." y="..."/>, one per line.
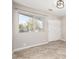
<point x="44" y="5"/>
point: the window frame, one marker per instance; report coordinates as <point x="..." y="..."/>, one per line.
<point x="33" y="16"/>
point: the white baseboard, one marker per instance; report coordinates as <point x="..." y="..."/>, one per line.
<point x="19" y="49"/>
<point x="63" y="39"/>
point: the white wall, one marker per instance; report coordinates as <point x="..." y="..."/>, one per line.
<point x="63" y="22"/>
<point x="21" y="40"/>
<point x="54" y="29"/>
<point x="57" y="28"/>
<point x="26" y="39"/>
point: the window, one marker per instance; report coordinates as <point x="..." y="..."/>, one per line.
<point x="30" y="24"/>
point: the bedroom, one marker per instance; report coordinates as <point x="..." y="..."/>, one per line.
<point x="39" y="29"/>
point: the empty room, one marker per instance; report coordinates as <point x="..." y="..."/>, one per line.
<point x="39" y="29"/>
